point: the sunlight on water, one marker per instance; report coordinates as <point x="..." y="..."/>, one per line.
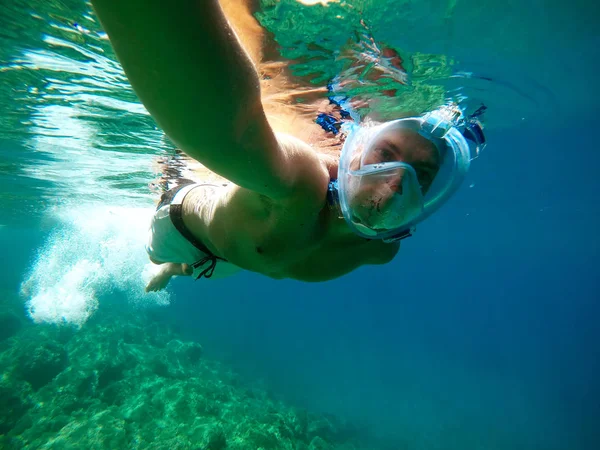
<point x="78" y="168"/>
<point x="86" y="156"/>
<point x="98" y="246"/>
<point x="98" y="250"/>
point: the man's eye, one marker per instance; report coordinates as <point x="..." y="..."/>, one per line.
<point x="424" y="178"/>
<point x="386" y="155"/>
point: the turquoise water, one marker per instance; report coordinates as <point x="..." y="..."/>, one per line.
<point x="482" y="334"/>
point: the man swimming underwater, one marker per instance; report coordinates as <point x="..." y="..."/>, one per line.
<point x="288" y="211"/>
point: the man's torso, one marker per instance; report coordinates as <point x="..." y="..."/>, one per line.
<point x="279" y="239"/>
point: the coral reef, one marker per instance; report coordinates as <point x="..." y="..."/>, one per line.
<point x="127" y="381"/>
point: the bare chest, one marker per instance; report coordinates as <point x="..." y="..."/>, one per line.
<point x="291" y="242"/>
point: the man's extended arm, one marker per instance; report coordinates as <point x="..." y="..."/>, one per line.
<point x="188" y="68"/>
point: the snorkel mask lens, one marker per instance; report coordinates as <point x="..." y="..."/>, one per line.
<point x="395" y="175"/>
<point x="383" y="196"/>
<point x="380" y="190"/>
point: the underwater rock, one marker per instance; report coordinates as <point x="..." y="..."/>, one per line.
<point x="10" y="324"/>
<point x="177" y="360"/>
<point x="89" y="432"/>
<point x="110" y="373"/>
<point x="12" y="408"/>
<point x="39" y="366"/>
<point x="186" y="353"/>
<point x="320" y="427"/>
<point x="298" y="420"/>
<point x="319" y="444"/>
<point x="215" y="439"/>
<point x="122" y="382"/>
<point x="263" y="437"/>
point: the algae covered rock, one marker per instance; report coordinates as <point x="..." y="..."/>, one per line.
<point x="12" y="407"/>
<point x="320" y="427"/>
<point x="177" y="360"/>
<point x="122" y="382"/>
<point x="44" y="361"/>
<point x="185" y="352"/>
<point x="215" y="439"/>
<point x="10" y="324"/>
<point x="89" y="432"/>
<point x="319" y="444"/>
<point x="263" y="437"/>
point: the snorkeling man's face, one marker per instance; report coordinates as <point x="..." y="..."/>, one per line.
<point x="375" y="199"/>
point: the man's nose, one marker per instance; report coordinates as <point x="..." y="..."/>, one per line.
<point x="396" y="183"/>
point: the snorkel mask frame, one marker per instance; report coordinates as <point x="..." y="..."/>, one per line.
<point x="448" y="129"/>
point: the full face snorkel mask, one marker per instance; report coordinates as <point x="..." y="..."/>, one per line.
<point x="383" y="190"/>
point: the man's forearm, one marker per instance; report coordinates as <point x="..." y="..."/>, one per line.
<point x="190" y="71"/>
<point x="186" y="65"/>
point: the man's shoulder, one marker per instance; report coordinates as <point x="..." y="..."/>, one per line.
<point x="307" y="172"/>
<point x="384" y="253"/>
